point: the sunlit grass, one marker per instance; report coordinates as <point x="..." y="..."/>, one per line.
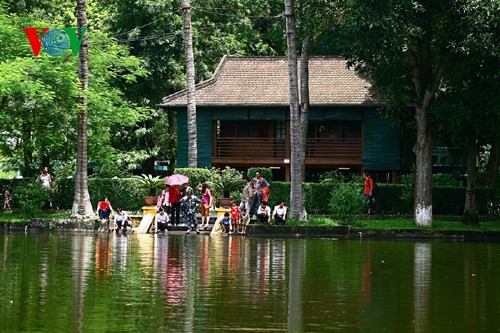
<point x="401" y="224"/>
<point x="23" y="218"/>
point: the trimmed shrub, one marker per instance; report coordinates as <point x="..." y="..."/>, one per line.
<point x="195" y="175"/>
<point x="265" y="172"/>
<point x="127" y="194"/>
<point x="31" y="198"/>
<point x="279" y="191"/>
<point x="346" y="201"/>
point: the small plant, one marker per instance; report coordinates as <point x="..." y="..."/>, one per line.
<point x="150" y="183"/>
<point x="225" y="181"/>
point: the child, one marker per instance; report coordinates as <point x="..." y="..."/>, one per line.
<point x="6" y="201"/>
<point x="244" y="220"/>
<point x="265" y="192"/>
<point x="235" y="216"/>
<point x="226" y="224"/>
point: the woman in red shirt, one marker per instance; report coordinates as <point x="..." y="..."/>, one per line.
<point x="104" y="209"/>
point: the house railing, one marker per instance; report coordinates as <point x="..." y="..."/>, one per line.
<point x="234" y="147"/>
<point x="334" y="147"/>
<point x="255" y="147"/>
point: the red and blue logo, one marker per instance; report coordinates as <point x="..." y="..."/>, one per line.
<point x="55" y="42"/>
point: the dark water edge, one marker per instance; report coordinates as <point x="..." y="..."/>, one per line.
<point x="342" y="232"/>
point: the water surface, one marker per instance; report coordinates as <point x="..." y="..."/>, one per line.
<point x="188" y="283"/>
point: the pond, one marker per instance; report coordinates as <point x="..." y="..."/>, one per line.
<point x="61" y="282"/>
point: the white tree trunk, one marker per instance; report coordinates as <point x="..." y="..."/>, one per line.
<point x="423" y="172"/>
<point x="81" y="201"/>
<point x="191" y="89"/>
<point x="296" y="144"/>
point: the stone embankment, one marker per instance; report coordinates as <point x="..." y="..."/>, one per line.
<point x="340" y="232"/>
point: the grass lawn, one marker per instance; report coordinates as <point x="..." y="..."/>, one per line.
<point x="403" y="223"/>
<point x="19" y="217"/>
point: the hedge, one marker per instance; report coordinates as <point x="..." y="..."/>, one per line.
<point x="125" y="193"/>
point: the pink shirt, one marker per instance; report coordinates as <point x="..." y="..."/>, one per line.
<point x="163" y="200"/>
<point x="205" y="199"/>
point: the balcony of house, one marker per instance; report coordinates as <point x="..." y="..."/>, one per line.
<point x="274" y="151"/>
<point x="247" y="143"/>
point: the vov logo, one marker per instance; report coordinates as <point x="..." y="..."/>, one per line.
<point x="55" y="42"/>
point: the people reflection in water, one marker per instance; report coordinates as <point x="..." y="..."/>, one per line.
<point x="102" y="259"/>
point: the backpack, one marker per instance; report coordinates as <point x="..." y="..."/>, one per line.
<point x="375" y="189"/>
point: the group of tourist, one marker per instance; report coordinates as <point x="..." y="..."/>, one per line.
<point x="174" y="200"/>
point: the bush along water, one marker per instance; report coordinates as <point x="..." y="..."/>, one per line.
<point x="346" y="201"/>
<point x="31" y="198"/>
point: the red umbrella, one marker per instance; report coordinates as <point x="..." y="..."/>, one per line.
<point x="176" y="179"/>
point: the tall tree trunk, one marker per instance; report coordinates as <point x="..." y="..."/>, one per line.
<point x="470" y="209"/>
<point x="296" y="171"/>
<point x="303" y="119"/>
<point x="493" y="164"/>
<point x="28" y="148"/>
<point x="423" y="171"/>
<point x="191" y="89"/>
<point x="81" y="201"/>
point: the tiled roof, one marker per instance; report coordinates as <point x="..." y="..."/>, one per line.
<point x="265" y="81"/>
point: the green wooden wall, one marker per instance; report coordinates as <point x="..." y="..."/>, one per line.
<point x="381" y="146"/>
<point x="381" y="143"/>
<point x="204" y="127"/>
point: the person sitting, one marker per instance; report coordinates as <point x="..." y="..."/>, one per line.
<point x="279" y="213"/>
<point x="161" y="220"/>
<point x="264" y="213"/>
<point x="121" y="220"/>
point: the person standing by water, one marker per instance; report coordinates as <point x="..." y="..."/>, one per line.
<point x="164" y="200"/>
<point x="368" y="192"/>
<point x="257" y="184"/>
<point x="206" y="203"/>
<point x="187" y="190"/>
<point x="189" y="204"/>
<point x="246" y="196"/>
<point x="45" y="179"/>
<point x="175" y="204"/>
<point x="6" y="201"/>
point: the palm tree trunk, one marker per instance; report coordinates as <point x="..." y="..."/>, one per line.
<point x="81" y="201"/>
<point x="191" y="89"/>
<point x="296" y="171"/>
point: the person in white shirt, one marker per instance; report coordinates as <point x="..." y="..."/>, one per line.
<point x="121" y="220"/>
<point x="279" y="213"/>
<point x="264" y="213"/>
<point x="161" y="221"/>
